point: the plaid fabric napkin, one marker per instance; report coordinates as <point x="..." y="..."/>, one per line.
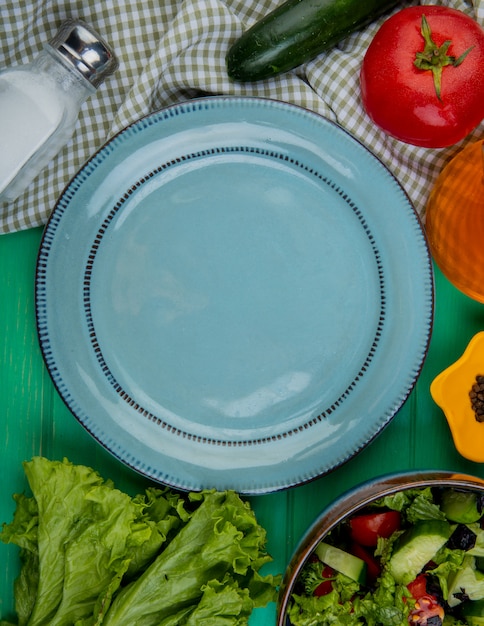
<point x="172" y="50"/>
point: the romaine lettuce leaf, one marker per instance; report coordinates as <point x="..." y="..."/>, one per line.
<point x="222" y="542"/>
<point x="416" y="504"/>
<point x="23" y="532"/>
<point x="92" y="555"/>
<point x="383" y="605"/>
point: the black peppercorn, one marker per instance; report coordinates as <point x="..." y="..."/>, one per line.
<point x="476" y="395"/>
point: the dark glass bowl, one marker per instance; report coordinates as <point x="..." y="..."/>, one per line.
<point x="352" y="502"/>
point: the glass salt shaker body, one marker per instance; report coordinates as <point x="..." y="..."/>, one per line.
<point x="40" y="102"/>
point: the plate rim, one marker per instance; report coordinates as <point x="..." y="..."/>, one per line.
<point x="50" y="233"/>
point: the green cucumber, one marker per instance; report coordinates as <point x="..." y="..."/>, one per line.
<point x="416" y="547"/>
<point x="461" y="506"/>
<point x="296" y="32"/>
<point x="473" y="612"/>
<point x="343" y="562"/>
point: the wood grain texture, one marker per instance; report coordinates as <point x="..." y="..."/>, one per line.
<point x="34" y="420"/>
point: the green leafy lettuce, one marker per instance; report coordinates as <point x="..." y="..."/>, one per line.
<point x="384" y="605"/>
<point x="93" y="555"/>
<point x="416" y="504"/>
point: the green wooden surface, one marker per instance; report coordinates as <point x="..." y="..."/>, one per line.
<point x="35" y="421"/>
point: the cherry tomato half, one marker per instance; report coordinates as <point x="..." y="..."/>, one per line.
<point x="372" y="564"/>
<point x="403" y="97"/>
<point x="365" y="529"/>
<point x="426" y="608"/>
<point x="418" y="586"/>
<point x="326" y="586"/>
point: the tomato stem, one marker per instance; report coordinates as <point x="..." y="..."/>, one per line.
<point x="435" y="58"/>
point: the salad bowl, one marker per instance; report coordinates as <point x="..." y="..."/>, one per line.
<point x="433" y="509"/>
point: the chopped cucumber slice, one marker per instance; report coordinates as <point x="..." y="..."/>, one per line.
<point x="460" y="506"/>
<point x="416" y="547"/>
<point x="343" y="562"/>
<point x="473" y="612"/>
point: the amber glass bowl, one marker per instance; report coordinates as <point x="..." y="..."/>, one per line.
<point x="455" y="221"/>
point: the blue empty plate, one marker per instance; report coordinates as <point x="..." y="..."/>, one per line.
<point x="234" y="293"/>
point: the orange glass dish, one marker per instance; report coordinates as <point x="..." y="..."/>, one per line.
<point x="450" y="390"/>
<point x="455" y="221"/>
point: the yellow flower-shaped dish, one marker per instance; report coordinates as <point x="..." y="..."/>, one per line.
<point x="450" y="391"/>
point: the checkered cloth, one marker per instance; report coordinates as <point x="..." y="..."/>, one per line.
<point x="173" y="50"/>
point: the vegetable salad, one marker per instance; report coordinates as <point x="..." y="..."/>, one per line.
<point x="415" y="557"/>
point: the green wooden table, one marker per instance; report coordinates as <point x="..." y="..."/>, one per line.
<point x="35" y="421"/>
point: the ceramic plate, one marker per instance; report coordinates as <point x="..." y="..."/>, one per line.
<point x="234" y="293"/>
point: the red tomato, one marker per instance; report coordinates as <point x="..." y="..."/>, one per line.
<point x="402" y="99"/>
<point x="426" y="605"/>
<point x="326" y="586"/>
<point x="418" y="587"/>
<point x="365" y="529"/>
<point x="425" y="608"/>
<point x="373" y="566"/>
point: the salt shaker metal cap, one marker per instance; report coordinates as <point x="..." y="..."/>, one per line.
<point x="82" y="47"/>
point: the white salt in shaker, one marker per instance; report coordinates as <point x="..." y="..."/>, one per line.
<point x="40" y="102"/>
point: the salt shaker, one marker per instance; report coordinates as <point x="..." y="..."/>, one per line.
<point x="40" y="102"/>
